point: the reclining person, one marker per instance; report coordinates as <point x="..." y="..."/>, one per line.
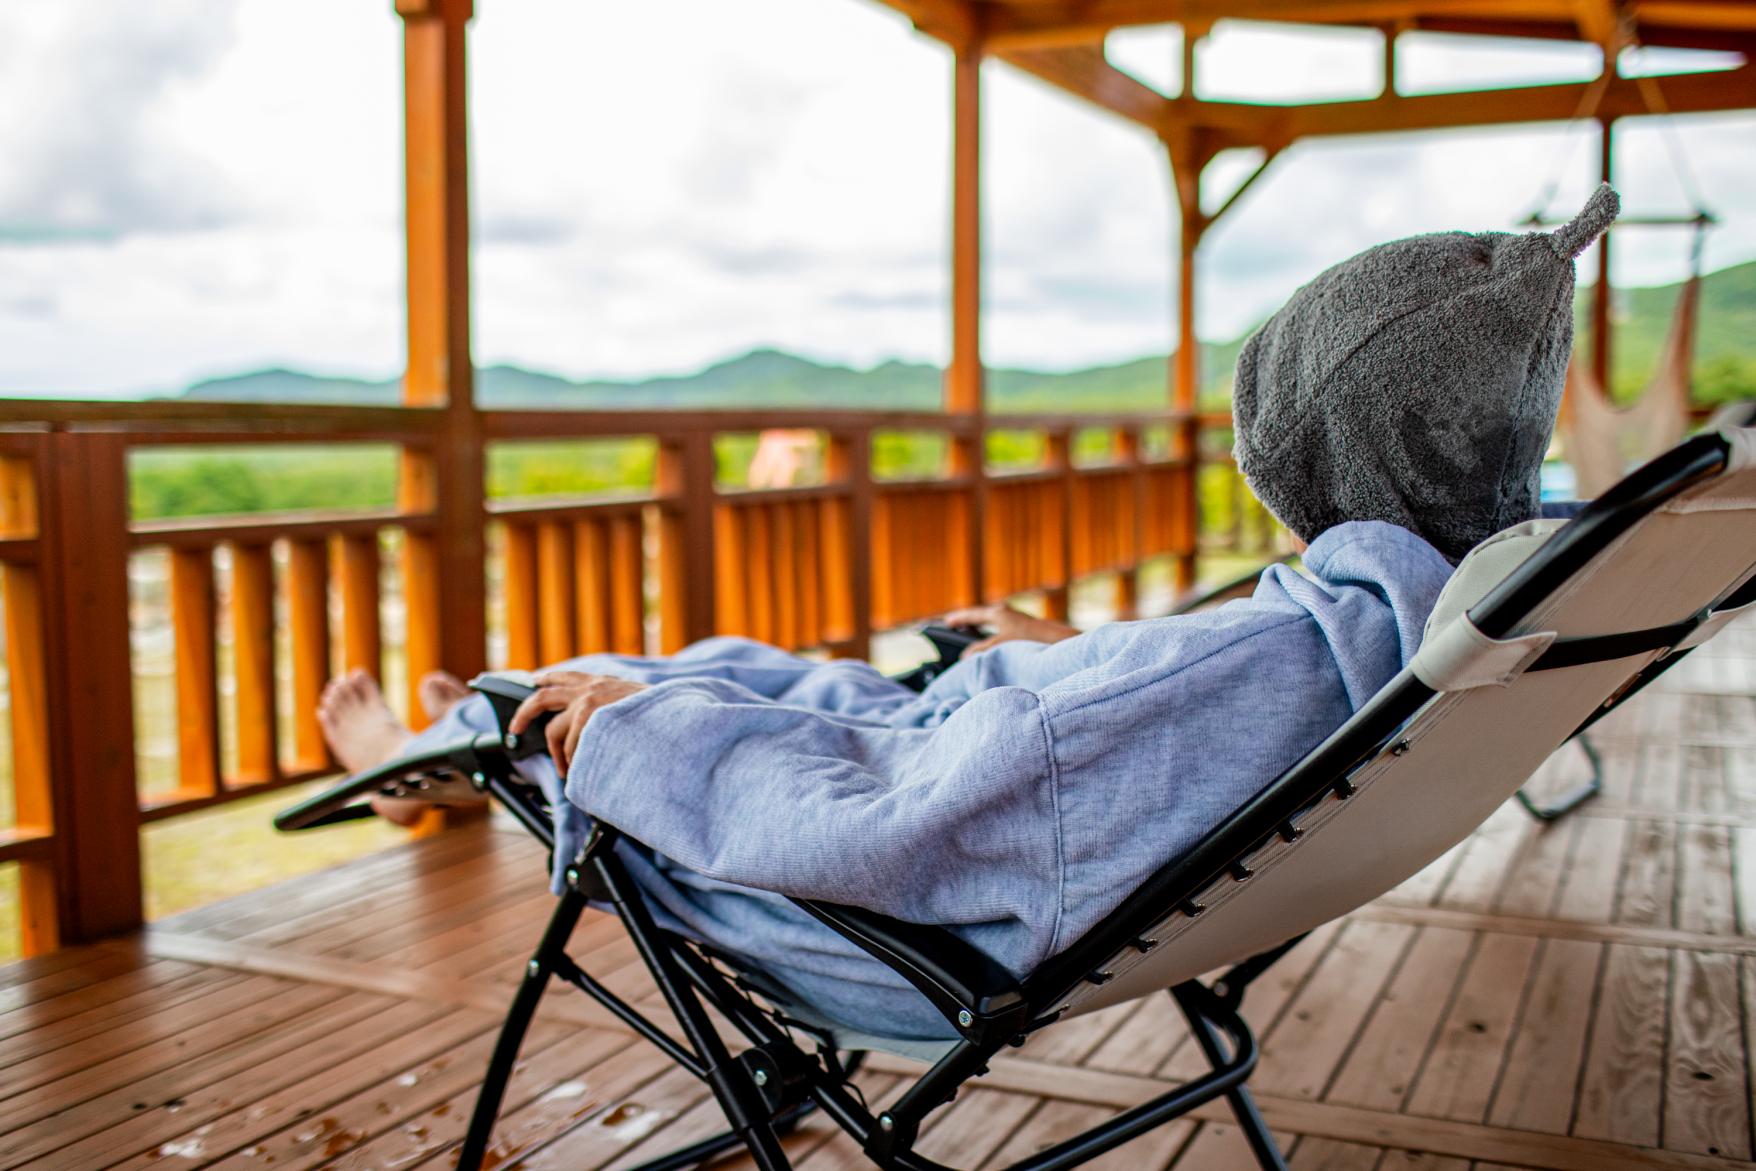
<point x="1393" y="414"/>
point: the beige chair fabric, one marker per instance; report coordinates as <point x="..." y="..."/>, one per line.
<point x="1470" y="747"/>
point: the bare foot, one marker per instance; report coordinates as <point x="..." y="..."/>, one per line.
<point x="441" y="691"/>
<point x="361" y="729"/>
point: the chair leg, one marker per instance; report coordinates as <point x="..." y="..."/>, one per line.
<point x="1243" y="1106"/>
<point x="697" y="1153"/>
<point x="1569" y="801"/>
<point x="518" y="1018"/>
<point x="1255" y="1130"/>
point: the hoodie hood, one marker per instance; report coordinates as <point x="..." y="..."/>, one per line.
<point x="1415" y="384"/>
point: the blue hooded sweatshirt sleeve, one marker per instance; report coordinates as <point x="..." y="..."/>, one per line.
<point x="1017" y="801"/>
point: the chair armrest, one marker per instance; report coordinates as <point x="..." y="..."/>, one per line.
<point x="976" y="994"/>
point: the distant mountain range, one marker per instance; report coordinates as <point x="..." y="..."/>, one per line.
<point x="771" y="378"/>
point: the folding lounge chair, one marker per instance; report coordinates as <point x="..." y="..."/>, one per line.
<point x="1552" y="630"/>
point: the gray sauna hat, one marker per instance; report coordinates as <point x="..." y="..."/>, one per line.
<point x="1416" y="383"/>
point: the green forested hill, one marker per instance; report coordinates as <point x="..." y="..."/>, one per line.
<point x="1725" y="368"/>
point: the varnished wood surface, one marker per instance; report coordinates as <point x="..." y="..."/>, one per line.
<point x="1573" y="998"/>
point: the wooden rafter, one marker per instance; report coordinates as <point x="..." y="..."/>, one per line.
<point x="1015" y="24"/>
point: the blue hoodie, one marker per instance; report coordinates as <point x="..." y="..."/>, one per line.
<point x="1017" y="800"/>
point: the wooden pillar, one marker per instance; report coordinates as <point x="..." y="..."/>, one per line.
<point x="966" y="377"/>
<point x="686" y="540"/>
<point x="847" y="544"/>
<point x="963" y="383"/>
<point x="1187" y="162"/>
<point x="443" y="564"/>
<point x="1600" y="298"/>
<point x="90" y="717"/>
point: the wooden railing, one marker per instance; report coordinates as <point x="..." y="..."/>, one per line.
<point x="262" y="609"/>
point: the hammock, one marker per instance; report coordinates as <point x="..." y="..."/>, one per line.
<point x="1601" y="440"/>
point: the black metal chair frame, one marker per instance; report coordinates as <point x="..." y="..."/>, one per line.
<point x="768" y="1086"/>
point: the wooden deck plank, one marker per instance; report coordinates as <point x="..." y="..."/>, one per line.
<point x="553" y="1091"/>
<point x="1457" y="1079"/>
<point x="1705" y="881"/>
<point x="1707" y="1104"/>
<point x="1475" y="885"/>
<point x="1327" y="1154"/>
<point x="1144" y="1040"/>
<point x="86" y="1134"/>
<point x="351" y="1070"/>
<point x="1648" y="893"/>
<point x="1378" y="1072"/>
<point x="1622" y="1085"/>
<point x="1589" y="892"/>
<point x="1537" y="1086"/>
<point x="641" y="1119"/>
<point x="1055" y="1122"/>
<point x="137" y="1048"/>
<point x="56" y="1034"/>
<point x="344" y="1125"/>
<point x="1534" y="881"/>
<point x="114" y="993"/>
<point x="1220" y="1146"/>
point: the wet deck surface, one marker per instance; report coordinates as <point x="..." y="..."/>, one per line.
<point x="1578" y="997"/>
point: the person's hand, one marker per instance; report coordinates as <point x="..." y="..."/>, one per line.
<point x="1007" y="625"/>
<point x="575" y="696"/>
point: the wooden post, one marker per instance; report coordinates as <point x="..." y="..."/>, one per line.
<point x="1600" y="298"/>
<point x="686" y="540"/>
<point x="443" y="574"/>
<point x="1186" y="370"/>
<point x="965" y="391"/>
<point x="90" y="718"/>
<point x="847" y="544"/>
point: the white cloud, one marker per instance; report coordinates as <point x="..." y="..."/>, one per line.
<point x="201" y="186"/>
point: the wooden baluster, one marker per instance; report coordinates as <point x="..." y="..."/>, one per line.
<point x="308" y="618"/>
<point x="999" y="541"/>
<point x="673" y="578"/>
<point x="786" y="581"/>
<point x="22" y="589"/>
<point x="732" y="599"/>
<point x="520" y="586"/>
<point x="835" y="555"/>
<point x="192" y="630"/>
<point x="883" y="563"/>
<point x="960" y="584"/>
<point x="759" y="549"/>
<point x="555" y="594"/>
<point x="358" y="570"/>
<point x="423" y="582"/>
<point x="687" y="592"/>
<point x="808" y="571"/>
<point x="848" y="570"/>
<point x="627" y="586"/>
<point x="591" y="582"/>
<point x="253" y="630"/>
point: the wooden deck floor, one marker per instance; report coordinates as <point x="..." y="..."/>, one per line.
<point x="1578" y="998"/>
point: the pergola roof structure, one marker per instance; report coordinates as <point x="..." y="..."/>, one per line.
<point x="1062" y="43"/>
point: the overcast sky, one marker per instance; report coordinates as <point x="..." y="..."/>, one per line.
<point x="200" y="187"/>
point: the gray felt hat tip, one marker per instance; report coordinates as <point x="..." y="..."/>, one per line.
<point x="1577" y="235"/>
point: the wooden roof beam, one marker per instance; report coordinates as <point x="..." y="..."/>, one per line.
<point x="1084" y="72"/>
<point x="1600" y="22"/>
<point x="1073" y="22"/>
<point x="1688" y="93"/>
